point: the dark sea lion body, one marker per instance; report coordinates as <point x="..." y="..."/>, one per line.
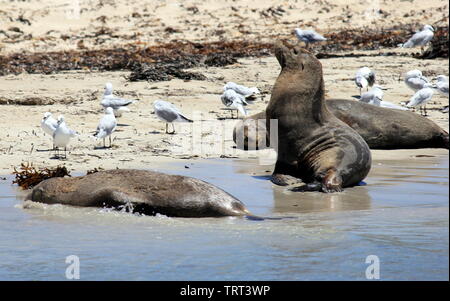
<point x="381" y="128"/>
<point x="384" y="128"/>
<point x="313" y="144"/>
<point x="148" y="192"/>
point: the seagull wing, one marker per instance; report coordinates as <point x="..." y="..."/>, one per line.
<point x="419" y="39"/>
<point x="115" y="102"/>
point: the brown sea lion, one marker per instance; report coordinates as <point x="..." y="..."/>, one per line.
<point x="313" y="144"/>
<point x="381" y="128"/>
<point x="148" y="192"/>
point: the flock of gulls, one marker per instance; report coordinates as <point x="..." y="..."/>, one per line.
<point x="414" y="79"/>
<point x="236" y="97"/>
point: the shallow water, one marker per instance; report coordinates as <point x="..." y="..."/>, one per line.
<point x="401" y="216"/>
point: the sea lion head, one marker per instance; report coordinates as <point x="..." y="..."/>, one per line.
<point x="301" y="72"/>
<point x="295" y="58"/>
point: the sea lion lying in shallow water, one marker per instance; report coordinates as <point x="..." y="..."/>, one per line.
<point x="381" y="128"/>
<point x="148" y="192"/>
<point x="313" y="144"/>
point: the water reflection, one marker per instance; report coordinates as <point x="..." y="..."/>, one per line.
<point x="355" y="198"/>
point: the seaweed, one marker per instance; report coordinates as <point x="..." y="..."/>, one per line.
<point x="96" y="169"/>
<point x="163" y="62"/>
<point x="220" y="59"/>
<point x="28" y="176"/>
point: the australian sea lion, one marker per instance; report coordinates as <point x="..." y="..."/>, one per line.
<point x="381" y="128"/>
<point x="148" y="192"/>
<point x="313" y="144"/>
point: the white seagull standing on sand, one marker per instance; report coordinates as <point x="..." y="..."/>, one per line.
<point x="415" y="80"/>
<point x="62" y="135"/>
<point x="49" y="124"/>
<point x="420" y="38"/>
<point x="106" y="126"/>
<point x="308" y="36"/>
<point x="169" y="113"/>
<point x="118" y="104"/>
<point x="442" y="84"/>
<point x="375" y="97"/>
<point x="234" y="101"/>
<point x="243" y="90"/>
<point x="364" y="78"/>
<point x="421" y="98"/>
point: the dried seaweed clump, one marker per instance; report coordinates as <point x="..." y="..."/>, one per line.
<point x="220" y="59"/>
<point x="96" y="169"/>
<point x="160" y="72"/>
<point x="28" y="176"/>
<point x="165" y="60"/>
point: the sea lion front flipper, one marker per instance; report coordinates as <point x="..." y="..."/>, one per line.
<point x="310" y="187"/>
<point x="284" y="180"/>
<point x="284" y="175"/>
<point x="329" y="184"/>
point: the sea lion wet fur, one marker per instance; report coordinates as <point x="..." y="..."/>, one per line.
<point x="148" y="192"/>
<point x="313" y="144"/>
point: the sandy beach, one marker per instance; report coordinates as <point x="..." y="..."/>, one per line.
<point x="140" y="139"/>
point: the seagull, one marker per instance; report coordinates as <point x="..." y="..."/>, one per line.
<point x="62" y="135"/>
<point x="364" y="78"/>
<point x="415" y="80"/>
<point x="442" y="84"/>
<point x="308" y="36"/>
<point x="106" y="126"/>
<point x="234" y="101"/>
<point x="375" y="97"/>
<point x="49" y="124"/>
<point x="118" y="104"/>
<point x="169" y="113"/>
<point x="243" y="90"/>
<point x="421" y="97"/>
<point x="420" y="38"/>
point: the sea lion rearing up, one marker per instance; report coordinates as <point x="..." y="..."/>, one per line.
<point x="313" y="144"/>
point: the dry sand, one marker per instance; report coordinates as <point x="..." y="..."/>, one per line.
<point x="140" y="141"/>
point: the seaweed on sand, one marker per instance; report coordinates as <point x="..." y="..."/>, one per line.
<point x="28" y="176"/>
<point x="166" y="61"/>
